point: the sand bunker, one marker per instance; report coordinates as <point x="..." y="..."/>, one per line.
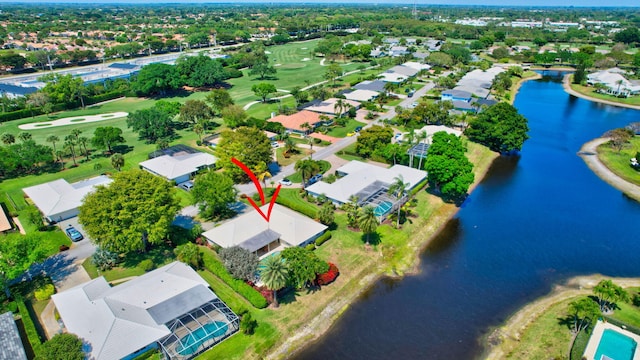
<point x="73" y="120"/>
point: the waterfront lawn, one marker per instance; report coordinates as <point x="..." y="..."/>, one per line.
<point x="618" y="162"/>
<point x="589" y="91"/>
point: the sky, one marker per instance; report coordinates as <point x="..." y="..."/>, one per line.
<point x="577" y="3"/>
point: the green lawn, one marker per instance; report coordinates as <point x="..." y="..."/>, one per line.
<point x="159" y="254"/>
<point x="589" y="91"/>
<point x="618" y="162"/>
<point x="342" y="131"/>
<point x="297" y="177"/>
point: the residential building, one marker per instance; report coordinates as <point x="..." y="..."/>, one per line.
<point x="180" y="165"/>
<point x="170" y="308"/>
<point x="11" y="347"/>
<point x="373" y="85"/>
<point x="361" y="95"/>
<point x="294" y="123"/>
<point x="329" y="106"/>
<point x="58" y="200"/>
<point x="455" y="95"/>
<point x="285" y="228"/>
<point x="396" y="51"/>
<point x="614" y="83"/>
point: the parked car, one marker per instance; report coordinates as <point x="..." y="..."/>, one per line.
<point x="351" y="133"/>
<point x="187" y="185"/>
<point x="314" y="179"/>
<point x="73" y="234"/>
<point x="274" y="144"/>
<point x="285" y="182"/>
<point x="358" y="129"/>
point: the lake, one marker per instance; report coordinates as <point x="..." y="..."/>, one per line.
<point x="534" y="221"/>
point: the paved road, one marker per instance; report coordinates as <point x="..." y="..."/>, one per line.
<point x="324" y="153"/>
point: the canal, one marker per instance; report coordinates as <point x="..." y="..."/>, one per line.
<point x="534" y="221"/>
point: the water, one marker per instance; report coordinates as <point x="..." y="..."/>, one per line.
<point x="534" y="221"/>
<point x="191" y="343"/>
<point x="615" y="345"/>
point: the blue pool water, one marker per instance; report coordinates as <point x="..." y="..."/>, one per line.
<point x="190" y="343"/>
<point x="616" y="346"/>
<point x="382" y="208"/>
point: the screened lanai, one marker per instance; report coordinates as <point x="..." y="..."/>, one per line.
<point x="199" y="330"/>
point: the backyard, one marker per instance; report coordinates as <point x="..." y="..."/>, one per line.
<point x="619" y="162"/>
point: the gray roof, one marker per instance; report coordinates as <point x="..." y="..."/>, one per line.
<point x="251" y="228"/>
<point x="173" y="167"/>
<point x="461" y="105"/>
<point x="259" y="240"/>
<point x="404" y="70"/>
<point x="11" y="347"/>
<point x="373" y="85"/>
<point x="116" y="321"/>
<point x="457" y="93"/>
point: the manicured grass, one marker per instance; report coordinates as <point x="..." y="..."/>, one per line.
<point x="342" y="131"/>
<point x="160" y="254"/>
<point x="619" y="162"/>
<point x="589" y="91"/>
<point x="297" y="176"/>
<point x="546" y="337"/>
<point x="284" y="161"/>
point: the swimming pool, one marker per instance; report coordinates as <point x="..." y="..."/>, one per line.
<point x="383" y="208"/>
<point x="190" y="343"/>
<point x="614" y="345"/>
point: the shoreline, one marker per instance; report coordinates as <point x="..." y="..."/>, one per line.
<point x="588" y="152"/>
<point x="570" y="91"/>
<point x="507" y="336"/>
<point x="322" y="323"/>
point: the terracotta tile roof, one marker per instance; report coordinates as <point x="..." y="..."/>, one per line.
<point x="293" y="122"/>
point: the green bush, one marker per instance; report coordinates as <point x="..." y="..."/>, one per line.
<point x="310" y="247"/>
<point x="217" y="268"/>
<point x="147" y="265"/>
<point x="29" y="327"/>
<point x="45" y="292"/>
<point x="323" y="238"/>
<point x="248" y="324"/>
<point x="419" y="187"/>
<point x="308" y="210"/>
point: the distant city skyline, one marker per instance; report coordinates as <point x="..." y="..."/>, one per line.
<point x="522" y="3"/>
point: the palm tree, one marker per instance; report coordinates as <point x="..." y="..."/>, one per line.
<point x="82" y="141"/>
<point x="619" y="82"/>
<point x="262" y="172"/>
<point x="274" y="275"/>
<point x="69" y="144"/>
<point x="76" y="133"/>
<point x="306" y="127"/>
<point x="307" y="168"/>
<point x="368" y="221"/>
<point x="24" y="136"/>
<point x="8" y="139"/>
<point x="339" y="107"/>
<point x="398" y="189"/>
<point x="53" y="140"/>
<point x="289" y="145"/>
<point x="117" y="161"/>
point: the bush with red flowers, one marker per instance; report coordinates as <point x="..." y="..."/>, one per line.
<point x="328" y="277"/>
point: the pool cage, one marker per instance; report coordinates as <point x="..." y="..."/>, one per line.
<point x="199" y="330"/>
<point x="377" y="195"/>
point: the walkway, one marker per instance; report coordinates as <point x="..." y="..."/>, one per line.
<point x="567" y="87"/>
<point x="73" y="120"/>
<point x="589" y="154"/>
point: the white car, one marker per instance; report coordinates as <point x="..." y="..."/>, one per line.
<point x="285" y="182"/>
<point x="274" y="144"/>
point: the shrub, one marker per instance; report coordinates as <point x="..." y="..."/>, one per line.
<point x="62" y="346"/>
<point x="329" y="276"/>
<point x="147" y="265"/>
<point x="245" y="290"/>
<point x="305" y="209"/>
<point x="239" y="262"/>
<point x="310" y="247"/>
<point x="29" y="327"/>
<point x="104" y="259"/>
<point x="323" y="238"/>
<point x="635" y="300"/>
<point x="45" y="292"/>
<point x="12" y="306"/>
<point x="189" y="253"/>
<point x="248" y="324"/>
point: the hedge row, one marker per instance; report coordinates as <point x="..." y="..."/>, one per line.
<point x="323" y="238"/>
<point x="302" y="208"/>
<point x="216" y="267"/>
<point x="419" y="187"/>
<point x="29" y="327"/>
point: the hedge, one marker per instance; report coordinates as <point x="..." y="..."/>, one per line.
<point x="217" y="268"/>
<point x="304" y="209"/>
<point x="419" y="187"/>
<point x="29" y="327"/>
<point x="323" y="238"/>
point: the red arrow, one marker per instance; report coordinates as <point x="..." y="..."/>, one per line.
<point x="256" y="183"/>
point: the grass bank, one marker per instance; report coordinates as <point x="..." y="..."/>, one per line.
<point x="619" y="162"/>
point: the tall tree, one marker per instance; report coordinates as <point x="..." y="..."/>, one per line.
<point x="18" y="253"/>
<point x="195" y="111"/>
<point x="307" y="169"/>
<point x="262" y="69"/>
<point x="304" y="265"/>
<point x="274" y="275"/>
<point x="151" y="124"/>
<point x="367" y="221"/>
<point x="263" y="90"/>
<point x="219" y="99"/>
<point x="53" y="139"/>
<point x="398" y="188"/>
<point x="70" y="145"/>
<point x="448" y="169"/>
<point x="135" y="210"/>
<point x="8" y="139"/>
<point x="213" y="192"/>
<point x="373" y="138"/>
<point x="249" y="145"/>
<point x="333" y="72"/>
<point x="62" y="346"/>
<point x="262" y="172"/>
<point x="608" y="294"/>
<point x="234" y="116"/>
<point x="500" y="127"/>
<point x="201" y="70"/>
<point x="619" y="138"/>
<point x="106" y="137"/>
<point x="156" y="79"/>
<point x="82" y="143"/>
<point x="583" y="312"/>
